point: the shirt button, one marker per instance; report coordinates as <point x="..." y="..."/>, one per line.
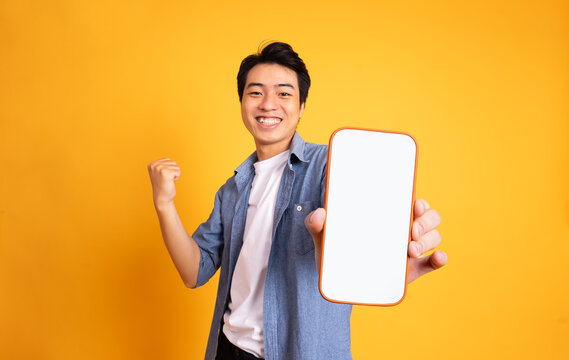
<point x="299" y="208"/>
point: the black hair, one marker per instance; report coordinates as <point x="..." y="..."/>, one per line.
<point x="275" y="53"/>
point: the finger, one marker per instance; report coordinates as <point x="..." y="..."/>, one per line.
<point x="426" y="264"/>
<point x="427" y="242"/>
<point x="159" y="163"/>
<point x="425" y="223"/>
<point x="176" y="172"/>
<point x="421" y="205"/>
<point x="171" y="173"/>
<point x="167" y="163"/>
<point x="162" y="166"/>
<point x="171" y="168"/>
<point x="314" y="222"/>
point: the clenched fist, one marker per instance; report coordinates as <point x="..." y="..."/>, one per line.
<point x="163" y="173"/>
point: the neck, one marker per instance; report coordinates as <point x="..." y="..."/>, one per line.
<point x="267" y="151"/>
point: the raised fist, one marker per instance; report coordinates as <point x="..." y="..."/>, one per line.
<point x="163" y="173"/>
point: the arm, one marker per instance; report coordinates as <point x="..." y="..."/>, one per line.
<point x="183" y="250"/>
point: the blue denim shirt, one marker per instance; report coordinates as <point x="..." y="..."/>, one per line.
<point x="297" y="322"/>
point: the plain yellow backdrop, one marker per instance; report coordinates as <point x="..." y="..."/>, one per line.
<point x="92" y="91"/>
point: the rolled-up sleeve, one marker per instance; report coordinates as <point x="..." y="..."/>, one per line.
<point x="209" y="237"/>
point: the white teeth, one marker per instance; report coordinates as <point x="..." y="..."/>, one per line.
<point x="269" y="121"/>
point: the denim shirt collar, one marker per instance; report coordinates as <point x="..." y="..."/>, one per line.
<point x="297" y="148"/>
<point x="243" y="173"/>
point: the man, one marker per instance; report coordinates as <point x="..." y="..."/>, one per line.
<point x="265" y="229"/>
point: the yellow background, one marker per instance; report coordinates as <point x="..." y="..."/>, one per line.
<point x="92" y="91"/>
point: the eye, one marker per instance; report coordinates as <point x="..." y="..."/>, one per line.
<point x="284" y="94"/>
<point x="255" y="93"/>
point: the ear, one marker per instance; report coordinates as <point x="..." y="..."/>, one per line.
<point x="301" y="110"/>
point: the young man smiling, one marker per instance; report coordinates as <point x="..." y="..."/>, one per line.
<point x="265" y="228"/>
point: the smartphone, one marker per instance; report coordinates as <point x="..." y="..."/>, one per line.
<point x="370" y="192"/>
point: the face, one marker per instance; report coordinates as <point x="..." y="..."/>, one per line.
<point x="270" y="107"/>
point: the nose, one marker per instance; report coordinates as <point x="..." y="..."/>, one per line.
<point x="268" y="103"/>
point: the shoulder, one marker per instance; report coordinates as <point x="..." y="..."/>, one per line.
<point x="241" y="175"/>
<point x="229" y="183"/>
<point x="228" y="188"/>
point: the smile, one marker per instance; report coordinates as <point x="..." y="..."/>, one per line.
<point x="268" y="120"/>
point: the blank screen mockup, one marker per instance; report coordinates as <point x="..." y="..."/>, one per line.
<point x="369" y="200"/>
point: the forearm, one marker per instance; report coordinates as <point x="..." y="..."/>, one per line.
<point x="183" y="250"/>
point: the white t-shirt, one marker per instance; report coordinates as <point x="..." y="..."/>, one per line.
<point x="243" y="320"/>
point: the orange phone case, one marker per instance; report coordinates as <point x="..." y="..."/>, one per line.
<point x="326" y="208"/>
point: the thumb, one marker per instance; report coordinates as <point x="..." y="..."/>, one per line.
<point x="315" y="223"/>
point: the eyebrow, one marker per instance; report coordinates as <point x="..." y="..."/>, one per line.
<point x="261" y="85"/>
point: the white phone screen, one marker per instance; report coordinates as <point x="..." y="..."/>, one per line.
<point x="369" y="203"/>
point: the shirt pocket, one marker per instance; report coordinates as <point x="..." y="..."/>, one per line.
<point x="301" y="238"/>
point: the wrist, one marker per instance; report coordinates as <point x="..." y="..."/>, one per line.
<point x="164" y="206"/>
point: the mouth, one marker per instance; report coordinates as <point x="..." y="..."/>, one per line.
<point x="268" y="122"/>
